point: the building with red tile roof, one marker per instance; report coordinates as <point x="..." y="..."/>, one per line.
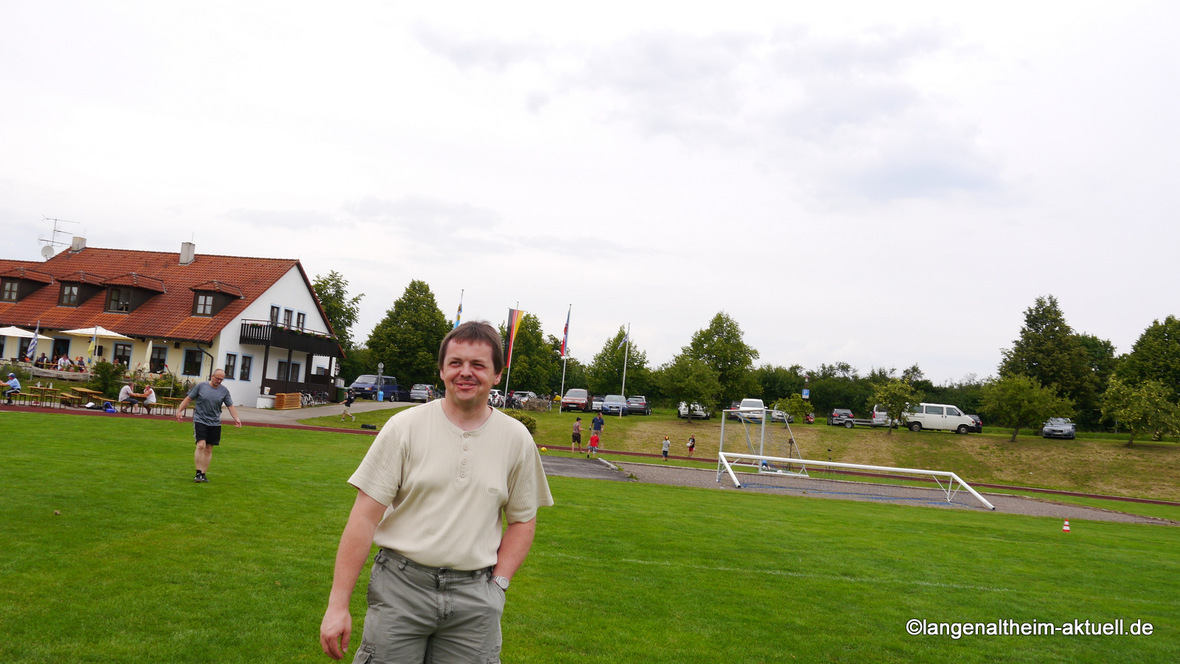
<point x="182" y="312"/>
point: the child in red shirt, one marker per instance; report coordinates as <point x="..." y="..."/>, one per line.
<point x="593" y="445"/>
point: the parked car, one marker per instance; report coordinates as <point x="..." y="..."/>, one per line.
<point x="638" y="405"/>
<point x="614" y="404"/>
<point x="496" y="399"/>
<point x="733" y="414"/>
<point x="939" y="416"/>
<point x="781" y="416"/>
<point x="596" y="403"/>
<point x="839" y="416"/>
<point x="978" y="427"/>
<point x="1059" y="427"/>
<point x="576" y="399"/>
<point x="422" y="392"/>
<point x="365" y="387"/>
<point x="692" y="411"/>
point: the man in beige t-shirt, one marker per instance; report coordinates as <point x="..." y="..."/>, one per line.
<point x="433" y="492"/>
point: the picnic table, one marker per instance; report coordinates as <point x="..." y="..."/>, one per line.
<point x="90" y="395"/>
<point x="44" y="396"/>
<point x="169" y="403"/>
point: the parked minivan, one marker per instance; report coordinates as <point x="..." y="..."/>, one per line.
<point x="939" y="416"/>
<point x="366" y="387"/>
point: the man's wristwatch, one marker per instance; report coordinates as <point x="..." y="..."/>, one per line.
<point x="501" y="581"/>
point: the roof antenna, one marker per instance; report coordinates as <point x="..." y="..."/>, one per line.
<point x="47" y="250"/>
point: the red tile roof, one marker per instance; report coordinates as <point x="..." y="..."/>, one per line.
<point x="165" y="315"/>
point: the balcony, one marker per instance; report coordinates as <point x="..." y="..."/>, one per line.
<point x="266" y="333"/>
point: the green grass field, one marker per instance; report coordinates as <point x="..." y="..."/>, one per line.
<point x="141" y="564"/>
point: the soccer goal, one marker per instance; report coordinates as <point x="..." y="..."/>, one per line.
<point x="752" y="431"/>
<point x="949" y="483"/>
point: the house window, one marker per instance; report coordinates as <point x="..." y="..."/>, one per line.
<point x="11" y="292"/>
<point x="287" y="318"/>
<point x="193" y="359"/>
<point x="119" y="299"/>
<point x="231" y="365"/>
<point x="204" y="305"/>
<point x="274" y="315"/>
<point x="69" y="295"/>
<point x="159" y="361"/>
<point x="300" y="320"/>
<point x="247" y="360"/>
<point x="122" y="354"/>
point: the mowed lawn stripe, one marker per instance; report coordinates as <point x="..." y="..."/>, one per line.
<point x="144" y="565"/>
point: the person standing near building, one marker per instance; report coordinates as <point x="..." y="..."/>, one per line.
<point x="454" y="471"/>
<point x="207" y="399"/>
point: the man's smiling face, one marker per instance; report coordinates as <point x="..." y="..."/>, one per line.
<point x="468" y="374"/>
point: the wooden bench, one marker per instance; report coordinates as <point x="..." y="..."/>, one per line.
<point x="70" y="399"/>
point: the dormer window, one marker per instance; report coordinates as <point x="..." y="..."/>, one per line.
<point x="11" y="292"/>
<point x="119" y="299"/>
<point x="69" y="295"/>
<point x="211" y="297"/>
<point x="203" y="305"/>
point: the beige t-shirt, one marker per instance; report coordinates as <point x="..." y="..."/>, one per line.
<point x="447" y="490"/>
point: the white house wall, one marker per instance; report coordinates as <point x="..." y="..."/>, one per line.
<point x="289" y="292"/>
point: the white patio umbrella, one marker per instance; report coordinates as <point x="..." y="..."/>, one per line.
<point x="96" y="331"/>
<point x="12" y="331"/>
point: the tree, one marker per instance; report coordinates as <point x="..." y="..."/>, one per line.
<point x="605" y="373"/>
<point x="407" y="339"/>
<point x="1019" y="401"/>
<point x="794" y="406"/>
<point x="1143" y="408"/>
<point x="1155" y="356"/>
<point x="777" y="382"/>
<point x="341" y="310"/>
<point x="895" y="396"/>
<point x="575" y="372"/>
<point x="723" y="348"/>
<point x="1049" y="351"/>
<point x="688" y="379"/>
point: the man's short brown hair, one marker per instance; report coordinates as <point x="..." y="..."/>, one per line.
<point x="475" y="331"/>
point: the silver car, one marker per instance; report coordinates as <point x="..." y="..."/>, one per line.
<point x="1059" y="427"/>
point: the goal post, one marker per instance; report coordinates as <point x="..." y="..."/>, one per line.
<point x="949" y="482"/>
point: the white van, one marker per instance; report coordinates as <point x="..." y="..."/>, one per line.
<point x="939" y="416"/>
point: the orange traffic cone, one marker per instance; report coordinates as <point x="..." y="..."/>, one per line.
<point x="1065" y="528"/>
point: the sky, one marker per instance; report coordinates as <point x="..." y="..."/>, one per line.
<point x="882" y="184"/>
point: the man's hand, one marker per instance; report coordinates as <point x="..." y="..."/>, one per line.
<point x="238" y="423"/>
<point x="335" y="631"/>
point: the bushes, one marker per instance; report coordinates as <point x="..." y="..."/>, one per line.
<point x="106" y="378"/>
<point x="527" y="420"/>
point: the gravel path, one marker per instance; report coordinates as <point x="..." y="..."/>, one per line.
<point x="902" y="495"/>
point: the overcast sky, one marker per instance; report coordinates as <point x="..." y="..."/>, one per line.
<point x="881" y="184"/>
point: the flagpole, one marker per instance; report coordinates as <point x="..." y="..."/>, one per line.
<point x="626" y="351"/>
<point x="511" y="339"/>
<point x="564" y="355"/>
